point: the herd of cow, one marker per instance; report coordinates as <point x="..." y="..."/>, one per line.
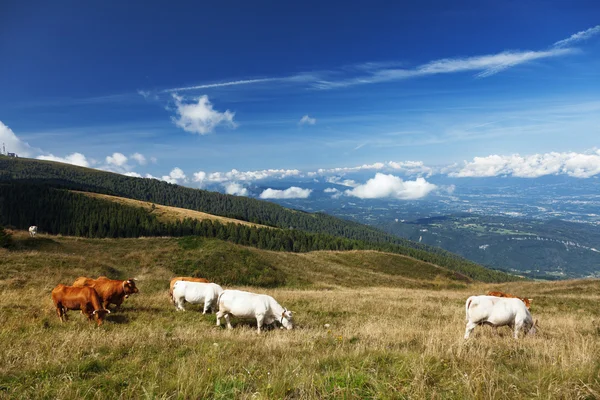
<point x="93" y="297"/>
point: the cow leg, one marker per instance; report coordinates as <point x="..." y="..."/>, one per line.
<point x="60" y="311"/>
<point x="518" y="327"/>
<point x="228" y="320"/>
<point x="219" y="316"/>
<point x="259" y="321"/>
<point x="470" y="327"/>
<point x="206" y="307"/>
<point x="179" y="304"/>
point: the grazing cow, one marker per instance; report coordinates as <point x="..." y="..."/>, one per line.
<point x="196" y="293"/>
<point x="498" y="311"/>
<point x="110" y="291"/>
<point x="183" y="278"/>
<point x="264" y="308"/>
<point x="32" y="231"/>
<point x="502" y="294"/>
<point x="78" y="298"/>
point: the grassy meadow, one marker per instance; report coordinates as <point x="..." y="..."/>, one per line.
<point x="368" y="325"/>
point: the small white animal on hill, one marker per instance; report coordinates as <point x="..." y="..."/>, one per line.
<point x="263" y="307"/>
<point x="32" y="231"/>
<point x="498" y="311"/>
<point x="196" y="293"/>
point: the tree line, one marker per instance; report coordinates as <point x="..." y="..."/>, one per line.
<point x="60" y="211"/>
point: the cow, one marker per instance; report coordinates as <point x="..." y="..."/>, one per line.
<point x="78" y="298"/>
<point x="183" y="278"/>
<point x="32" y="231"/>
<point x="264" y="308"/>
<point x="502" y="294"/>
<point x="110" y="291"/>
<point x="196" y="293"/>
<point x="498" y="311"/>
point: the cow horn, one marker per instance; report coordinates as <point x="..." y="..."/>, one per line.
<point x="108" y="311"/>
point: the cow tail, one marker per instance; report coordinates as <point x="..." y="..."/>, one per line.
<point x="219" y="300"/>
<point x="467" y="305"/>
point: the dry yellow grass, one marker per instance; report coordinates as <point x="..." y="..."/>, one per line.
<point x="167" y="213"/>
<point x="381" y="342"/>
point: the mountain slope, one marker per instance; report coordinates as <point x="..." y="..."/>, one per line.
<point x="351" y="235"/>
<point x="155" y="260"/>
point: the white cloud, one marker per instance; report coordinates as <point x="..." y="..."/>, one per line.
<point x="141" y="160"/>
<point x="133" y="174"/>
<point x="289" y="193"/>
<point x="486" y="65"/>
<point x="246" y="176"/>
<point x="117" y="160"/>
<point x="578" y="37"/>
<point x="235" y="189"/>
<point x="306" y="120"/>
<point x="13" y="143"/>
<point x="411" y="167"/>
<point x="200" y="117"/>
<point x="376" y="166"/>
<point x="579" y="165"/>
<point x="75" y="159"/>
<point x="335" y="192"/>
<point x="338" y="181"/>
<point x="382" y="186"/>
<point x="175" y="176"/>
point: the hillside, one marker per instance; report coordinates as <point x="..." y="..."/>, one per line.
<point x="49" y="174"/>
<point x="166" y="213"/>
<point x="367" y="325"/>
<point x="154" y="260"/>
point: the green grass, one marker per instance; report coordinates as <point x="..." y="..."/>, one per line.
<point x="398" y="337"/>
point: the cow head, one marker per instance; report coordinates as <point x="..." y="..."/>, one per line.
<point x="533" y="329"/>
<point x="129" y="287"/>
<point x="100" y="314"/>
<point x="286" y="319"/>
<point x="527" y="302"/>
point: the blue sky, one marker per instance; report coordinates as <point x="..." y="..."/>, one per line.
<point x="144" y="88"/>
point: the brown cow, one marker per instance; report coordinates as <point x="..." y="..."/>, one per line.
<point x="110" y="291"/>
<point x="183" y="278"/>
<point x="78" y="298"/>
<point x="502" y="294"/>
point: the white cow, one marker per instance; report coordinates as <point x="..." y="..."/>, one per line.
<point x="32" y="231"/>
<point x="498" y="311"/>
<point x="264" y="308"/>
<point x="196" y="293"/>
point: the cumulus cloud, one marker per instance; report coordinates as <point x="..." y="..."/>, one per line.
<point x="13" y="143"/>
<point x="117" y="160"/>
<point x="339" y="181"/>
<point x="289" y="193"/>
<point x="176" y="176"/>
<point x="200" y="117"/>
<point x="411" y="167"/>
<point x="235" y="189"/>
<point x="133" y="174"/>
<point x="579" y="165"/>
<point x="141" y="160"/>
<point x="390" y="186"/>
<point x="75" y="159"/>
<point x="335" y="192"/>
<point x="246" y="176"/>
<point x="306" y="120"/>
